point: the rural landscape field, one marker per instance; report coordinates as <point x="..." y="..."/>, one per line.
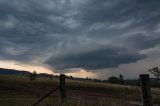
<point x="79" y="52"/>
<point x="20" y="91"/>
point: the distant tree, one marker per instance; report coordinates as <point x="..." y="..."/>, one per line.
<point x="156" y="72"/>
<point x="113" y="80"/>
<point x="33" y="75"/>
<point x="96" y="80"/>
<point x="121" y="78"/>
<point x="51" y="76"/>
<point x="71" y="77"/>
<point x="116" y="80"/>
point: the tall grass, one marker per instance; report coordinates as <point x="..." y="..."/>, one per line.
<point x="20" y="91"/>
<point x="82" y="101"/>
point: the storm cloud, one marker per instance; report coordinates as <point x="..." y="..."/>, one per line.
<point x="88" y="34"/>
<point x="96" y="59"/>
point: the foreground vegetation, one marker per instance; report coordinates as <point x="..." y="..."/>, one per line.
<point x="20" y="91"/>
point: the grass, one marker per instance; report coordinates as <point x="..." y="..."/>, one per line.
<point x="20" y="91"/>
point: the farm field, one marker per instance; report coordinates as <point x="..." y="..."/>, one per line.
<point x="20" y="91"/>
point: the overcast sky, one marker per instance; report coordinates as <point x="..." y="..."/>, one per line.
<point x="103" y="37"/>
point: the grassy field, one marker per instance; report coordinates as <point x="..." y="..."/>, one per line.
<point x="20" y="91"/>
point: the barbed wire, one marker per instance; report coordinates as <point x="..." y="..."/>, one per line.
<point x="42" y="98"/>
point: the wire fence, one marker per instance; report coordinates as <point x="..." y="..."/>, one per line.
<point x="103" y="101"/>
<point x="45" y="96"/>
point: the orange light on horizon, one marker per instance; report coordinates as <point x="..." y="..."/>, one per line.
<point x="43" y="69"/>
<point x="82" y="73"/>
<point x="24" y="67"/>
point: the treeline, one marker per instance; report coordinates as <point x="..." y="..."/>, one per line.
<point x="113" y="79"/>
<point x="32" y="75"/>
<point x="4" y="71"/>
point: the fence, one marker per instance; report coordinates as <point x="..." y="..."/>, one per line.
<point x="146" y="90"/>
<point x="61" y="89"/>
<point x="144" y="83"/>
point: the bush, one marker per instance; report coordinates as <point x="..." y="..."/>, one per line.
<point x="116" y="80"/>
<point x="33" y="75"/>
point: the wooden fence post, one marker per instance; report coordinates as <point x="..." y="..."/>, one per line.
<point x="62" y="87"/>
<point x="146" y="90"/>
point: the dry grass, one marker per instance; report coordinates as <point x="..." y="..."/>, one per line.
<point x="83" y="101"/>
<point x="20" y="91"/>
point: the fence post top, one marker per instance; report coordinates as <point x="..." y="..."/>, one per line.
<point x="62" y="74"/>
<point x="144" y="75"/>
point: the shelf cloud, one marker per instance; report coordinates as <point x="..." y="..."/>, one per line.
<point x="89" y="34"/>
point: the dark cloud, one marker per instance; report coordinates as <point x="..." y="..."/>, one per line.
<point x="109" y="57"/>
<point x="76" y="33"/>
<point x="142" y="41"/>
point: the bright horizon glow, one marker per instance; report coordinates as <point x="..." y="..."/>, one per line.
<point x="24" y="67"/>
<point x="82" y="73"/>
<point x="43" y="69"/>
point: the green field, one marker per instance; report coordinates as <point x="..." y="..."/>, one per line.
<point x="20" y="91"/>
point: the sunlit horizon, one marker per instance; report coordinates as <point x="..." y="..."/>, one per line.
<point x="43" y="69"/>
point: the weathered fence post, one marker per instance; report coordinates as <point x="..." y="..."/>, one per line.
<point x="62" y="87"/>
<point x="146" y="90"/>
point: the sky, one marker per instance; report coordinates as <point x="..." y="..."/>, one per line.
<point x="84" y="38"/>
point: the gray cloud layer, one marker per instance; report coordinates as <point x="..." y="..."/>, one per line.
<point x="88" y="34"/>
<point x="96" y="59"/>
